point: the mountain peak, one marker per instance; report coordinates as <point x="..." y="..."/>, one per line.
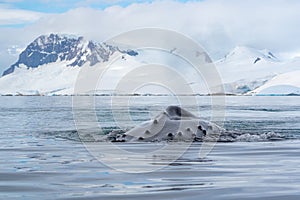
<point x="248" y="55"/>
<point x="75" y="51"/>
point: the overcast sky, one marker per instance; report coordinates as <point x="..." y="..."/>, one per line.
<point x="218" y="25"/>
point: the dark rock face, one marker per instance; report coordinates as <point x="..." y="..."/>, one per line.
<point x="52" y="48"/>
<point x="256" y="60"/>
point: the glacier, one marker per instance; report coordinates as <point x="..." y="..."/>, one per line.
<point x="51" y="63"/>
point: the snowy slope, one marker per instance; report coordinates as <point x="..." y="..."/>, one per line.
<point x="248" y="55"/>
<point x="48" y="79"/>
<point x="58" y="78"/>
<point x="59" y="48"/>
<point x="245" y="69"/>
<point x="50" y="66"/>
<point x="283" y="84"/>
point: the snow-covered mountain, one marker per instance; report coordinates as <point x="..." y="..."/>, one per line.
<point x="282" y="84"/>
<point x="74" y="51"/>
<point x="248" y="55"/>
<point x="244" y="69"/>
<point x="51" y="63"/>
<point x="50" y="66"/>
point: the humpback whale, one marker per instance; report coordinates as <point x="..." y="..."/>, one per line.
<point x="173" y="124"/>
<point x="177" y="124"/>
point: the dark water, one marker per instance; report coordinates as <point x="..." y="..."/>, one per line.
<point x="41" y="156"/>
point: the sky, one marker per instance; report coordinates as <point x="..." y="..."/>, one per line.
<point x="217" y="25"/>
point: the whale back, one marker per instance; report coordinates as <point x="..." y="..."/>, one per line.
<point x="178" y="113"/>
<point x="174" y="124"/>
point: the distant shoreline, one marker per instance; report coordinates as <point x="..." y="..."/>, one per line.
<point x="143" y="95"/>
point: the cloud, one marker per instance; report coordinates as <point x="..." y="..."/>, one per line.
<point x="218" y="25"/>
<point x="9" y="16"/>
<point x="270" y="24"/>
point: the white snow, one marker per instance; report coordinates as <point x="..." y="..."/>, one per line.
<point x="283" y="84"/>
<point x="238" y="70"/>
<point x="240" y="74"/>
<point x="49" y="79"/>
<point x="248" y="55"/>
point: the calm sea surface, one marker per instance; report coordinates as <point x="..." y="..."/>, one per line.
<point x="42" y="157"/>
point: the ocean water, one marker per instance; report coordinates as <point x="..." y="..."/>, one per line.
<point x="42" y="157"/>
